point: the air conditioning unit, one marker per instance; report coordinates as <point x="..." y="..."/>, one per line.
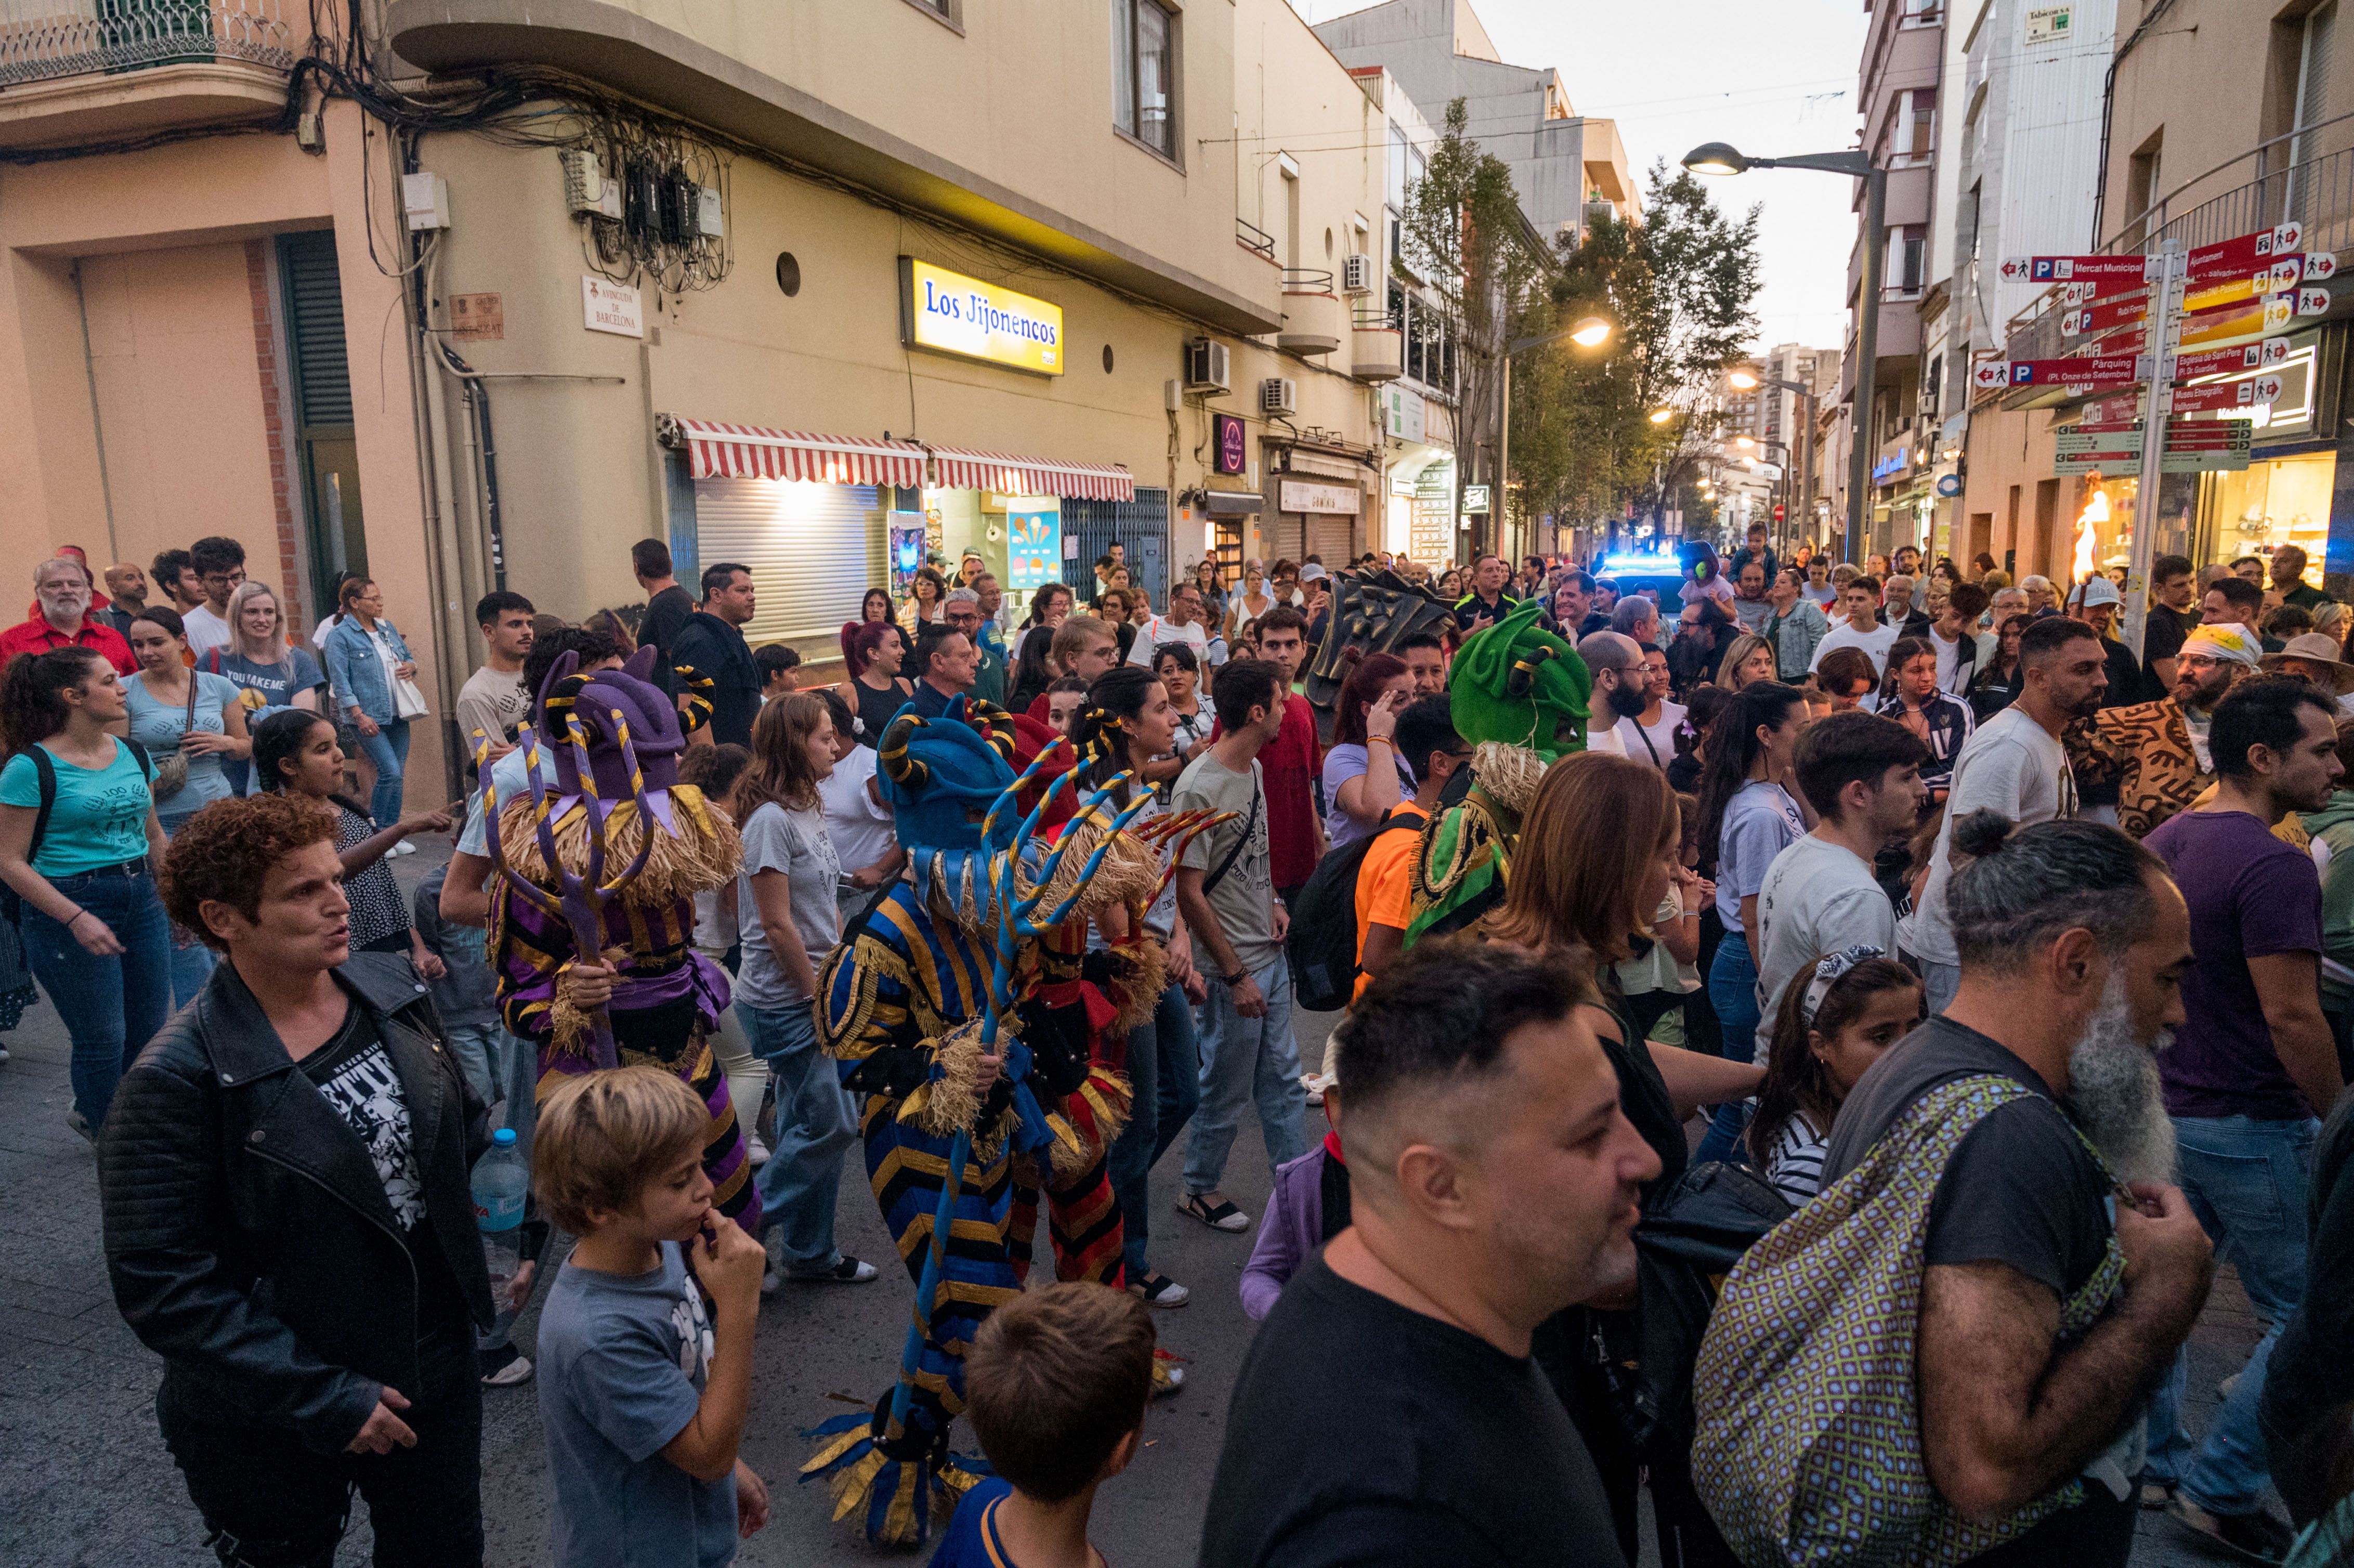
<point x="1357" y="274"/>
<point x="1279" y="395"/>
<point x="1208" y="366"/>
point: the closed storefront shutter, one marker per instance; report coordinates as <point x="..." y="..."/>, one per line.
<point x="1331" y="538"/>
<point x="814" y="550"/>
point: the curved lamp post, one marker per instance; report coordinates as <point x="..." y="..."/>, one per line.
<point x="1718" y="158"/>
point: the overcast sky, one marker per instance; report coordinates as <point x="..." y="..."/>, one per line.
<point x="1777" y="76"/>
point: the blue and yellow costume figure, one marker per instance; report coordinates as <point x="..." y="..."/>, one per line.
<point x="1518" y="695"/>
<point x="972" y="958"/>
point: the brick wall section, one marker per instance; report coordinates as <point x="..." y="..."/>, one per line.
<point x="273" y="418"/>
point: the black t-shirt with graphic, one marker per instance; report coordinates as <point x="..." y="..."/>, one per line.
<point x="356" y="1075"/>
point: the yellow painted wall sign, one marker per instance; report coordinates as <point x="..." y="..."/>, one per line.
<point x="955" y="314"/>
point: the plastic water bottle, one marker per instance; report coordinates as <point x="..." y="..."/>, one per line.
<point x="501" y="1182"/>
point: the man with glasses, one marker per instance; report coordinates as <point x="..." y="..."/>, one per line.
<point x="1650" y="736"/>
<point x="217" y="563"/>
<point x="2157" y="752"/>
<point x="962" y="611"/>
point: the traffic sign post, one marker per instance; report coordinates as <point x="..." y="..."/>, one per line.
<point x="2167" y="270"/>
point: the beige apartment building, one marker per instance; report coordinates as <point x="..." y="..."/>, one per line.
<point x="2222" y="119"/>
<point x="824" y="289"/>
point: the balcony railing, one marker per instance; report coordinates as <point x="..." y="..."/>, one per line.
<point x="1307" y="281"/>
<point x="1255" y="240"/>
<point x="2306" y="174"/>
<point x="44" y="39"/>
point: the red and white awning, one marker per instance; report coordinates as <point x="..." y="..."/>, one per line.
<point x="1007" y="475"/>
<point x="716" y="450"/>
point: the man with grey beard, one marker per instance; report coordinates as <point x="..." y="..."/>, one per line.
<point x="2071" y="946"/>
<point x="2255" y="1068"/>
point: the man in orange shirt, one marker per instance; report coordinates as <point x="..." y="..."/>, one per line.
<point x="61" y="590"/>
<point x="1427" y="741"/>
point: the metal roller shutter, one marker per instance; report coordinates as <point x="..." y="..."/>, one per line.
<point x="814" y="549"/>
<point x="1141" y="524"/>
<point x="1331" y="537"/>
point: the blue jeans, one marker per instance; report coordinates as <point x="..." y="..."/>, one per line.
<point x="111" y="1006"/>
<point x="2247" y="1182"/>
<point x="1247" y="1061"/>
<point x="814" y="1128"/>
<point x="1164" y="1074"/>
<point x="387" y="748"/>
<point x="192" y="961"/>
<point x="1733" y="992"/>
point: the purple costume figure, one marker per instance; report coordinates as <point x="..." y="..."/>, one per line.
<point x="576" y="865"/>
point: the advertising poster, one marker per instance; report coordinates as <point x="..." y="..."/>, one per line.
<point x="1033" y="545"/>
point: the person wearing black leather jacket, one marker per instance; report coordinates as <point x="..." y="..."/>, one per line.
<point x="284" y="1178"/>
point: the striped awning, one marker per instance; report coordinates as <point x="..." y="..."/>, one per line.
<point x="716" y="450"/>
<point x="1010" y="475"/>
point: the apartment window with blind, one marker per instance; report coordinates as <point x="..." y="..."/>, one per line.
<point x="1907" y="255"/>
<point x="1144" y="73"/>
<point x="2315" y="68"/>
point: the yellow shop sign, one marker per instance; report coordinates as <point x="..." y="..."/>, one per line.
<point x="955" y="314"/>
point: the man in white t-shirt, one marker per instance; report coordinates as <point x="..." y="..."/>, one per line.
<point x="1182" y="624"/>
<point x="1652" y="736"/>
<point x="1861" y="629"/>
<point x="1622" y="689"/>
<point x="1862" y="773"/>
<point x="217" y="563"/>
<point x="2013" y="764"/>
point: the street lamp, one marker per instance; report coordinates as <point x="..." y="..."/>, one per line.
<point x="1717" y="158"/>
<point x="1589" y="331"/>
<point x="1661" y="415"/>
<point x="1743" y="379"/>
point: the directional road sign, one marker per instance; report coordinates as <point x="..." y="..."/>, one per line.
<point x="2252" y="392"/>
<point x="2247" y="356"/>
<point x="2068" y="269"/>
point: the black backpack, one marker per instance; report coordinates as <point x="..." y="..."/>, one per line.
<point x="1691" y="1236"/>
<point x="45" y="770"/>
<point x="1321" y="946"/>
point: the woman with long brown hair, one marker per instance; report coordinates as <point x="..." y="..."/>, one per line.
<point x="787" y="922"/>
<point x="1597" y="848"/>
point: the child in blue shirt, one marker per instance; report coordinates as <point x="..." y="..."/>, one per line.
<point x="1056" y="1384"/>
<point x="642" y="1394"/>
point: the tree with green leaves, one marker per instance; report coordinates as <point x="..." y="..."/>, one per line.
<point x="1477" y="269"/>
<point x="1678" y="287"/>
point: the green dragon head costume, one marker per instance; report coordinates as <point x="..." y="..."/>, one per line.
<point x="1519" y="694"/>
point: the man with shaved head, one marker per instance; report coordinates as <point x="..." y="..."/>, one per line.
<point x="1621" y="688"/>
<point x="1493" y="1181"/>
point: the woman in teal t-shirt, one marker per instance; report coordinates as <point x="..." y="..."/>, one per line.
<point x="94" y="930"/>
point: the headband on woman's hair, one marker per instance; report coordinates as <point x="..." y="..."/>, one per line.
<point x="1827" y="975"/>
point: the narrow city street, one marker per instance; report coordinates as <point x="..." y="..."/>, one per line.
<point x="88" y="1484"/>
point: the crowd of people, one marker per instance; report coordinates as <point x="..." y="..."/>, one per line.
<point x="1983" y="982"/>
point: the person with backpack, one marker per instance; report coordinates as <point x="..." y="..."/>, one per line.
<point x="1596" y="857"/>
<point x="1995" y="1259"/>
<point x="77" y="835"/>
<point x="1364" y="776"/>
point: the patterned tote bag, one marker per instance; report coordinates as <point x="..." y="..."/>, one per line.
<point x="1808" y="1449"/>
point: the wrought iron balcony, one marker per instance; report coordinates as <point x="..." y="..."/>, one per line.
<point x="42" y="41"/>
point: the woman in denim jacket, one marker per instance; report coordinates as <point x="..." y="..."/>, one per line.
<point x="364" y="657"/>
